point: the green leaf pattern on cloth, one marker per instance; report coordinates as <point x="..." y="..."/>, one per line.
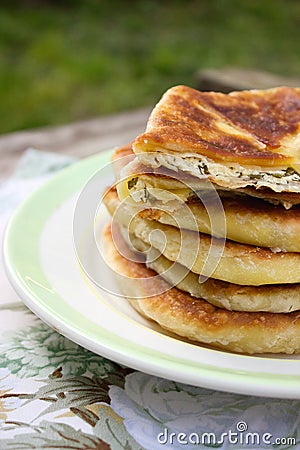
<point x="38" y="350"/>
<point x="63" y="407"/>
<point x="7" y="403"/>
<point x="53" y="436"/>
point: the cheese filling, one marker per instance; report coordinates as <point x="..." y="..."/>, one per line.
<point x="227" y="175"/>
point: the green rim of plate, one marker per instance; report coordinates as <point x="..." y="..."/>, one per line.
<point x="24" y="270"/>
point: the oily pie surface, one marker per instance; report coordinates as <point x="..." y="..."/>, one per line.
<point x="252" y="127"/>
<point x="248" y="220"/>
<point x="198" y="320"/>
<point x="270" y="298"/>
<point x="236" y="263"/>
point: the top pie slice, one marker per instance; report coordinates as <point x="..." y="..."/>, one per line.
<point x="245" y="138"/>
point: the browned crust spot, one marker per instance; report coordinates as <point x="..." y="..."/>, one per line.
<point x="186" y="119"/>
<point x="185" y="307"/>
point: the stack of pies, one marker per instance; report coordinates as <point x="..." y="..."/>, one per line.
<point x="211" y="198"/>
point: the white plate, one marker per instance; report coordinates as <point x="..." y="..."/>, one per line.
<point x="45" y="271"/>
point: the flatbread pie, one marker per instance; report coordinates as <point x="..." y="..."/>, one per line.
<point x="198" y="320"/>
<point x="237" y="263"/>
<point x="246" y="138"/>
<point x="209" y="195"/>
<point x="271" y="298"/>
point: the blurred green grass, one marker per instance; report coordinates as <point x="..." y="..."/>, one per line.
<point x="62" y="61"/>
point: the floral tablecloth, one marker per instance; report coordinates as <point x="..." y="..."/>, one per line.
<point x="55" y="394"/>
